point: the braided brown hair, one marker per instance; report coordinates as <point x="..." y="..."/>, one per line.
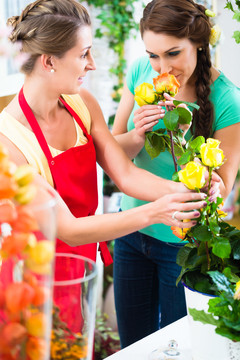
<point x="186" y="19"/>
<point x="47" y="27"/>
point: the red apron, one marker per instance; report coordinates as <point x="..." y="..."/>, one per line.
<point x="75" y="179"/>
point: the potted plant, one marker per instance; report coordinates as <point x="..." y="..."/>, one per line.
<point x="213" y="244"/>
<point x="106" y="341"/>
<point x="223" y="311"/>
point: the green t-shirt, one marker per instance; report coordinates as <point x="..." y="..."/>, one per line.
<point x="225" y="97"/>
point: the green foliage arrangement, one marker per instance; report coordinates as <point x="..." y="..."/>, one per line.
<point x="223" y="310"/>
<point x="117" y="24"/>
<point x="212" y="244"/>
<point x="236" y="16"/>
<point x="106" y="341"/>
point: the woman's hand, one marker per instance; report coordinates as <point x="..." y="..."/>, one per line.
<point x="146" y="117"/>
<point x="173" y="209"/>
<point x="214" y="190"/>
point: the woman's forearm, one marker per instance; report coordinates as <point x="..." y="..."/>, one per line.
<point x="90" y="229"/>
<point x="146" y="186"/>
<point x="98" y="228"/>
<point x="130" y="142"/>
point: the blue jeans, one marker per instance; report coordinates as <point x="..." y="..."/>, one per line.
<point x="146" y="295"/>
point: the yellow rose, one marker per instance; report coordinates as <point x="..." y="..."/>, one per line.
<point x="42" y="253"/>
<point x="215" y="34"/>
<point x="26" y="194"/>
<point x="40" y="256"/>
<point x="193" y="175"/>
<point x="144" y="94"/>
<point x="210" y="153"/>
<point x="37" y="324"/>
<point x="24" y="175"/>
<point x="221" y="213"/>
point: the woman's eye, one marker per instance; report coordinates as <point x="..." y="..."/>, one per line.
<point x="174" y="53"/>
<point x="153" y="56"/>
<point x="84" y="55"/>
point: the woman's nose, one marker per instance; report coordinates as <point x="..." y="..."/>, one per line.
<point x="164" y="67"/>
<point x="91" y="64"/>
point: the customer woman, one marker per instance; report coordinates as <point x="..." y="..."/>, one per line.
<point x="176" y="36"/>
<point x="62" y="136"/>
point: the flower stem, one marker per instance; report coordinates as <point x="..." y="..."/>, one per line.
<point x="172" y="151"/>
<point x="208" y="257"/>
<point x="195" y="242"/>
<point x="210" y="170"/>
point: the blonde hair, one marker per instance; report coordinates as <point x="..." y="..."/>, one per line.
<point x="47" y="27"/>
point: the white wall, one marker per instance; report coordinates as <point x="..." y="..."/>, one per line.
<point x="229" y="50"/>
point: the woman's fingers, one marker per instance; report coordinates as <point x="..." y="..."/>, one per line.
<point x="185" y="225"/>
<point x="214" y="190"/>
<point x="146" y="117"/>
<point x="188" y="196"/>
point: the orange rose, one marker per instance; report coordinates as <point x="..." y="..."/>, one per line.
<point x="36" y="348"/>
<point x="14" y="244"/>
<point x="8" y="212"/>
<point x="41" y="295"/>
<point x="8" y="187"/>
<point x="179" y="232"/>
<point x="166" y="83"/>
<point x="13" y="333"/>
<point x="25" y="221"/>
<point x="18" y="296"/>
<point x="30" y="279"/>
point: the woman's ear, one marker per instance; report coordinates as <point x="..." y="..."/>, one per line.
<point x="47" y="62"/>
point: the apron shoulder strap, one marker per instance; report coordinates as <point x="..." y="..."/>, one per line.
<point x="34" y="125"/>
<point x="76" y="117"/>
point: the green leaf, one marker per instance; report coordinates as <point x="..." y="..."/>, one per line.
<point x="185" y="117"/>
<point x="229" y="6"/>
<point x="183" y="254"/>
<point x="197" y="142"/>
<point x="195" y="106"/>
<point x="236" y="36"/>
<point x="171" y="119"/>
<point x="213" y="225"/>
<point x="175" y="177"/>
<point x="202" y="233"/>
<point x="236" y="249"/>
<point x="232" y="277"/>
<point x="227" y="333"/>
<point x="221" y="281"/>
<point x="236" y="16"/>
<point x="159" y="132"/>
<point x="200" y="315"/>
<point x="154" y="144"/>
<point x="216" y="307"/>
<point x="178" y="150"/>
<point x="198" y="281"/>
<point x="185" y="158"/>
<point x="222" y="247"/>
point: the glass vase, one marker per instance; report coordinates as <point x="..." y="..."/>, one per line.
<point x="27" y="246"/>
<point x="74" y="307"/>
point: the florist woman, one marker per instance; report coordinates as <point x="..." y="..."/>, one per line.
<point x="62" y="136"/>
